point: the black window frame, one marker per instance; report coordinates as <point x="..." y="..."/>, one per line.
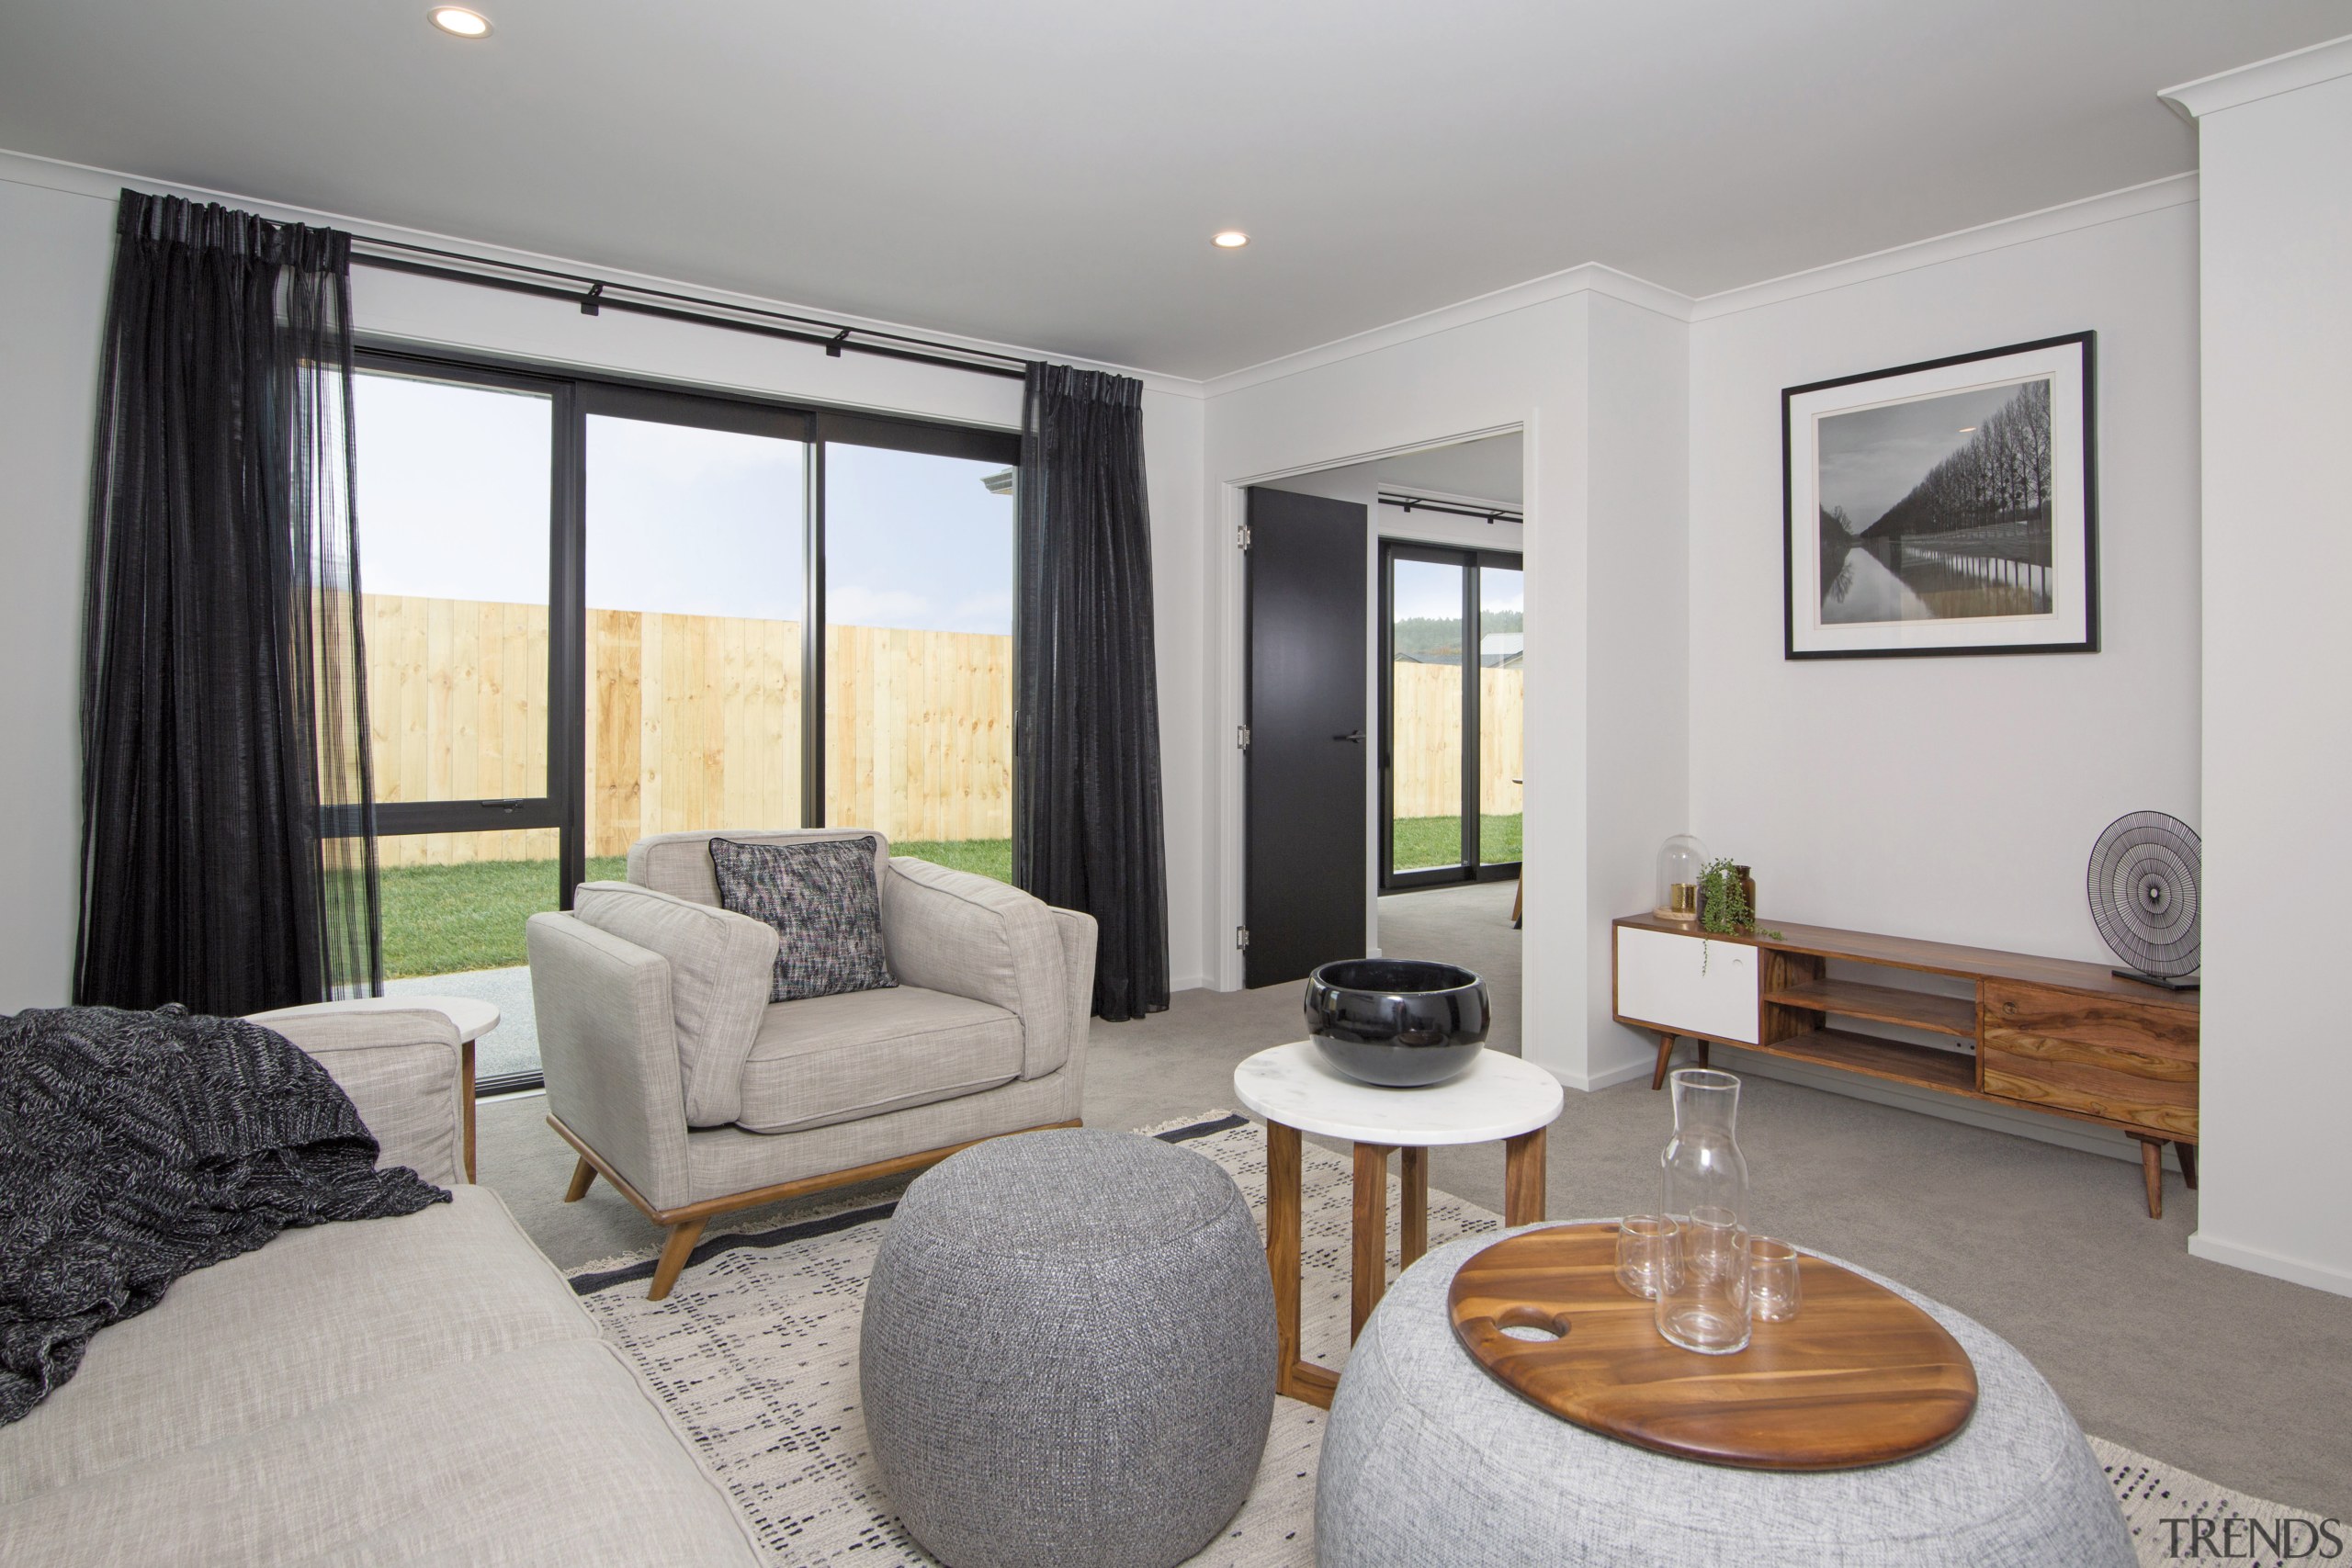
<point x="576" y="394"/>
<point x="1472" y="561"/>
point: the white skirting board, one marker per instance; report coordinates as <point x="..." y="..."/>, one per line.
<point x="2063" y="1131"/>
<point x="2253" y="1260"/>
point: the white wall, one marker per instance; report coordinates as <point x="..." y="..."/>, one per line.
<point x="1500" y="365"/>
<point x="2277" y="646"/>
<point x="1639" y="669"/>
<point x="56" y="241"/>
<point x="1953" y="799"/>
<point x="55" y="251"/>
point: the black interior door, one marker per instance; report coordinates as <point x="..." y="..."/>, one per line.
<point x="1304" y="843"/>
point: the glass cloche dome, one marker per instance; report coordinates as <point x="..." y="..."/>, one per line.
<point x="1679" y="861"/>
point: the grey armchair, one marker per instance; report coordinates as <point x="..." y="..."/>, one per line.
<point x="674" y="1078"/>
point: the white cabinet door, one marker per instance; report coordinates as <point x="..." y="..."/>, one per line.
<point x="1679" y="983"/>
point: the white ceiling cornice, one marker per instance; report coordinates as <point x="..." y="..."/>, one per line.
<point x="2176" y="190"/>
<point x="78" y="179"/>
<point x="2263" y="79"/>
<point x="1591" y="278"/>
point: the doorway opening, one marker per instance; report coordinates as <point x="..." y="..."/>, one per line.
<point x="1404" y="694"/>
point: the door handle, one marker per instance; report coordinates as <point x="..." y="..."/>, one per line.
<point x="1356" y="736"/>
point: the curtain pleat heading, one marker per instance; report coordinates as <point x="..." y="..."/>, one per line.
<point x="228" y="856"/>
<point x="1086" y="794"/>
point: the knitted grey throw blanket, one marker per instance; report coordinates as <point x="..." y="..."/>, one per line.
<point x="138" y="1146"/>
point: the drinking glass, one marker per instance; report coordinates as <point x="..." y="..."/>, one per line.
<point x="1649" y="1254"/>
<point x="1773" y="1291"/>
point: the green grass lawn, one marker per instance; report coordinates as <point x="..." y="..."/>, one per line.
<point x="445" y="919"/>
<point x="1424" y="841"/>
<point x="989" y="857"/>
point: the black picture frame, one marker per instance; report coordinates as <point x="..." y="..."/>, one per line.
<point x="2069" y="578"/>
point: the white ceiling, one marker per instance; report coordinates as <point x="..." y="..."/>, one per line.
<point x="1485" y="469"/>
<point x="1047" y="172"/>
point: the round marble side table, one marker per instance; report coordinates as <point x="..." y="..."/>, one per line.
<point x="1499" y="1098"/>
<point x="472" y="1019"/>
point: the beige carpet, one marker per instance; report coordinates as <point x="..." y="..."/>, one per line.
<point x="756" y="1355"/>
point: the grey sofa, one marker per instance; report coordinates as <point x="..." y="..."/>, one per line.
<point x="674" y="1077"/>
<point x="417" y="1390"/>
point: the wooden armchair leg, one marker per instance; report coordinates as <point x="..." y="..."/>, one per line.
<point x="581" y="1177"/>
<point x="675" y="1252"/>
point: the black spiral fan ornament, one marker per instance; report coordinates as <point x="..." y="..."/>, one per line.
<point x="2142" y="887"/>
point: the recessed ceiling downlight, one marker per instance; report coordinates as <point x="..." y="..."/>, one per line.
<point x="459" y="22"/>
<point x="1228" y="239"/>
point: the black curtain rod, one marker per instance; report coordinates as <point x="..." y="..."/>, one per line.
<point x="594" y="296"/>
<point x="1451" y="508"/>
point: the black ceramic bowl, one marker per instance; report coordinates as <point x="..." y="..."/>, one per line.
<point x="1399" y="1023"/>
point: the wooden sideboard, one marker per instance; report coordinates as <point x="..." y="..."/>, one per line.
<point x="2046" y="1035"/>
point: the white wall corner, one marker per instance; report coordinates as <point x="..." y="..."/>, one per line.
<point x="2263" y="79"/>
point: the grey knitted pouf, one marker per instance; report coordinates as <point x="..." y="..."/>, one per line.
<point x="1429" y="1459"/>
<point x="1068" y="1355"/>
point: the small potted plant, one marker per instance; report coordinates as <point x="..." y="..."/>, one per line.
<point x="1726" y="898"/>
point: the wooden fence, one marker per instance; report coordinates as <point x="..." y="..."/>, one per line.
<point x="694" y="722"/>
<point x="1427" y="711"/>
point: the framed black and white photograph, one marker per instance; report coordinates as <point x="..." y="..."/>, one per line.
<point x="1944" y="507"/>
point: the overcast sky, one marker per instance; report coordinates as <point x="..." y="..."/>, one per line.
<point x="453" y="504"/>
<point x="1871" y="458"/>
<point x="1426" y="589"/>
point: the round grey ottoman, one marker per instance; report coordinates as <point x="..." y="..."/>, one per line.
<point x="1429" y="1459"/>
<point x="1068" y="1354"/>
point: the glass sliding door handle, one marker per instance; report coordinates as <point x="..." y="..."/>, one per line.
<point x="1353" y="735"/>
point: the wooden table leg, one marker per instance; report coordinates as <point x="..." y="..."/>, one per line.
<point x="1283" y="1227"/>
<point x="1413" y="1225"/>
<point x="1523" y="1178"/>
<point x="2152" y="1171"/>
<point x="1368" y="1269"/>
<point x="466" y="1079"/>
<point x="1301" y="1380"/>
<point x="2187" y="1153"/>
<point x="1665" y="1056"/>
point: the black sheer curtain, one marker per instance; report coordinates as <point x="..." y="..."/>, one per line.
<point x="1086" y="811"/>
<point x="228" y="856"/>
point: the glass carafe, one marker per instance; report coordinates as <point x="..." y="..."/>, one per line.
<point x="1706" y="1194"/>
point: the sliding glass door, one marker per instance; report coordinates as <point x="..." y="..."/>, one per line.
<point x="918" y="557"/>
<point x="696" y="547"/>
<point x="597" y="611"/>
<point x="1450" y="700"/>
<point x="455" y="480"/>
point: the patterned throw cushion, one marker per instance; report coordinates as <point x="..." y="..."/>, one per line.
<point x="820" y="897"/>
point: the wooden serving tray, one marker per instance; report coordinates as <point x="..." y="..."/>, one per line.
<point x="1858" y="1377"/>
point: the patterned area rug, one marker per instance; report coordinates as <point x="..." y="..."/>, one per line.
<point x="755" y="1355"/>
